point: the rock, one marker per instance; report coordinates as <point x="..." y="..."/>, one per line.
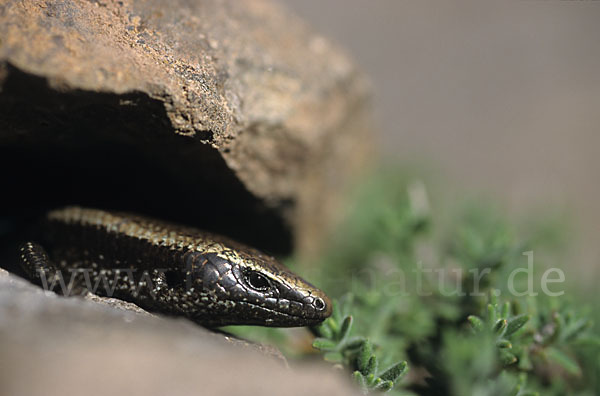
<point x="116" y="303"/>
<point x="228" y="115"/>
<point x="70" y="346"/>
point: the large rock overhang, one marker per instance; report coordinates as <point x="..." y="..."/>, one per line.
<point x="230" y="116"/>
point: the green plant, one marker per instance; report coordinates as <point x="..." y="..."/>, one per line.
<point x="355" y="352"/>
<point x="504" y="327"/>
<point x="432" y="292"/>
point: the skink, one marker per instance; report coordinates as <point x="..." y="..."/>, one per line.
<point x="169" y="269"/>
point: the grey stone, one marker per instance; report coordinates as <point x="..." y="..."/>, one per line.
<point x="70" y="346"/>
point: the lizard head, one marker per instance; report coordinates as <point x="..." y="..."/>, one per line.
<point x="241" y="285"/>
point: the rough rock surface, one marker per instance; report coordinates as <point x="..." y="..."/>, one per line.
<point x="226" y="114"/>
<point x="68" y="346"/>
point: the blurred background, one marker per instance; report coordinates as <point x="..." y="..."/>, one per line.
<point x="502" y="98"/>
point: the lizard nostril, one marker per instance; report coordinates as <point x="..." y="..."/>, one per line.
<point x="319" y="304"/>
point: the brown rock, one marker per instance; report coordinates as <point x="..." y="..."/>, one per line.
<point x="228" y="115"/>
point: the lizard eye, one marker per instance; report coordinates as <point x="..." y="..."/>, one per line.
<point x="257" y="281"/>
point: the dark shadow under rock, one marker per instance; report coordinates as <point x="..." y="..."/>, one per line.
<point x="118" y="152"/>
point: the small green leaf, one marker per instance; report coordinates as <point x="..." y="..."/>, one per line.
<point x="516" y="390"/>
<point x="491" y="314"/>
<point x="324" y="344"/>
<point x="505" y="310"/>
<point x="476" y="323"/>
<point x="333" y="326"/>
<point x="394" y="372"/>
<point x="574" y="329"/>
<point x="507" y="358"/>
<point x="503" y="344"/>
<point x="493" y="297"/>
<point x="324" y="331"/>
<point x="385" y="386"/>
<point x="500" y="326"/>
<point x="515" y="324"/>
<point x="370" y="379"/>
<point x="365" y="353"/>
<point x="372" y="365"/>
<point x="354" y="342"/>
<point x="360" y="380"/>
<point x="345" y="329"/>
<point x="564" y="360"/>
